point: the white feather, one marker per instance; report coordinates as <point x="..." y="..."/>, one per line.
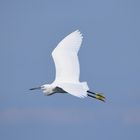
<point x="65" y="57"/>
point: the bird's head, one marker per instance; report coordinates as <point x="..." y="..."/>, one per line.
<point x="45" y="88"/>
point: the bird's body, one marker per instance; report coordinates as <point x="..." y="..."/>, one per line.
<point x="65" y="57"/>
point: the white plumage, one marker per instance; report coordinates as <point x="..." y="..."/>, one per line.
<point x="65" y="57"/>
<point x="67" y="66"/>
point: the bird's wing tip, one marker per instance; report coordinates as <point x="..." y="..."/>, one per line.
<point x="79" y="32"/>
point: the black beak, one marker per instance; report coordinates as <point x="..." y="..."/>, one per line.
<point x="35" y="88"/>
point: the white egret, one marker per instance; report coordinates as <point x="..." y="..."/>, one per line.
<point x="65" y="57"/>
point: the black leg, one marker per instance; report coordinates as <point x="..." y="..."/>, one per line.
<point x="91" y="96"/>
<point x="96" y="96"/>
<point x="91" y="92"/>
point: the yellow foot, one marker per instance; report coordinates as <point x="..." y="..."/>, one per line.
<point x="100" y="96"/>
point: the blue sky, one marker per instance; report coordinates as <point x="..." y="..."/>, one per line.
<point x="109" y="60"/>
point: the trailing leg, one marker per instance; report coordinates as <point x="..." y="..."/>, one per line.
<point x="98" y="96"/>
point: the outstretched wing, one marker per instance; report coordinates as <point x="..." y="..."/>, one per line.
<point x="66" y="59"/>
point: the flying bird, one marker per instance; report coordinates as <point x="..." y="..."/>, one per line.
<point x="67" y="66"/>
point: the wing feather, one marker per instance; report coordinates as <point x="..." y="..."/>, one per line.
<point x="65" y="57"/>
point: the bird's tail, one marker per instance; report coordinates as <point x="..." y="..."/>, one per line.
<point x="85" y="85"/>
